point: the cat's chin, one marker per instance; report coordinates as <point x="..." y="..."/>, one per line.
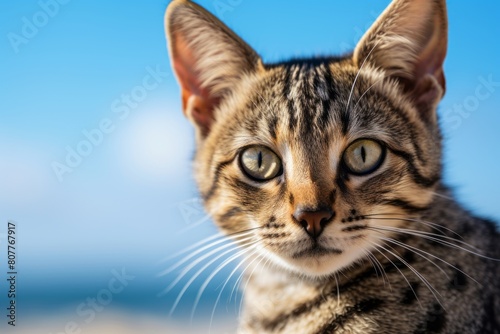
<point x="318" y="263"/>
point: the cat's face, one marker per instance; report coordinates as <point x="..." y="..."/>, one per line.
<point x="375" y="159"/>
<point x="309" y="163"/>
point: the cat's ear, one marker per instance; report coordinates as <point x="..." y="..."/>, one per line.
<point x="208" y="59"/>
<point x="409" y="41"/>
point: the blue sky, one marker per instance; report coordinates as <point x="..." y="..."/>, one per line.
<point x="70" y="73"/>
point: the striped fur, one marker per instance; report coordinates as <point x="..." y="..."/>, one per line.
<point x="398" y="254"/>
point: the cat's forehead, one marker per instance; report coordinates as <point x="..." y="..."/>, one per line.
<point x="313" y="101"/>
<point x="311" y="79"/>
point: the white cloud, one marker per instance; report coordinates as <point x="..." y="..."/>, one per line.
<point x="156" y="144"/>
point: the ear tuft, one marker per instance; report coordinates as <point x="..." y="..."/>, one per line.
<point x="207" y="57"/>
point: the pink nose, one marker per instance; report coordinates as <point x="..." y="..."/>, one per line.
<point x="313" y="221"/>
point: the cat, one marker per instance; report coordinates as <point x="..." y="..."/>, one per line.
<point x="327" y="173"/>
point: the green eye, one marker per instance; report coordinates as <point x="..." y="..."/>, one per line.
<point x="260" y="163"/>
<point x="364" y="156"/>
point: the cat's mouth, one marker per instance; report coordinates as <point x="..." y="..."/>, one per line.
<point x="316" y="251"/>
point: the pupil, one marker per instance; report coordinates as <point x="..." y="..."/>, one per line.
<point x="259" y="159"/>
<point x="363" y="154"/>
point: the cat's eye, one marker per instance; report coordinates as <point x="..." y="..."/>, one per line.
<point x="364" y="156"/>
<point x="260" y="163"/>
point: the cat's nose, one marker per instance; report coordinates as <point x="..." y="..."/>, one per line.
<point x="313" y="221"/>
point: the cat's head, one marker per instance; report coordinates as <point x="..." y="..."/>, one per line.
<point x="312" y="162"/>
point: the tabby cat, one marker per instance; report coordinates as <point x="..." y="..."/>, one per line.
<point x="327" y="171"/>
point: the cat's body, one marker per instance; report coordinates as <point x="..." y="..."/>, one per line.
<point x="328" y="173"/>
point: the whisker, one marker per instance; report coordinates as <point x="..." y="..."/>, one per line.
<point x="431" y="288"/>
<point x="202" y="258"/>
<point x="338" y="288"/>
<point x="196" y="245"/>
<point x="267" y="103"/>
<point x="408" y="247"/>
<point x="214" y="273"/>
<point x="395" y="266"/>
<point x="229" y="277"/>
<point x="433" y="237"/>
<point x="369" y="257"/>
<point x="441" y="195"/>
<point x="195" y="276"/>
<point x="357" y="75"/>
<point x="435" y="226"/>
<point x="376" y="264"/>
<point x="238" y="280"/>
<point x="416" y="271"/>
<point x="210" y="238"/>
<point x="248" y="280"/>
<point x="200" y="250"/>
<point x="366" y="91"/>
<point x="417" y="251"/>
<point x="443" y="236"/>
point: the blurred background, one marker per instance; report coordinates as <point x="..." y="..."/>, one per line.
<point x="95" y="154"/>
